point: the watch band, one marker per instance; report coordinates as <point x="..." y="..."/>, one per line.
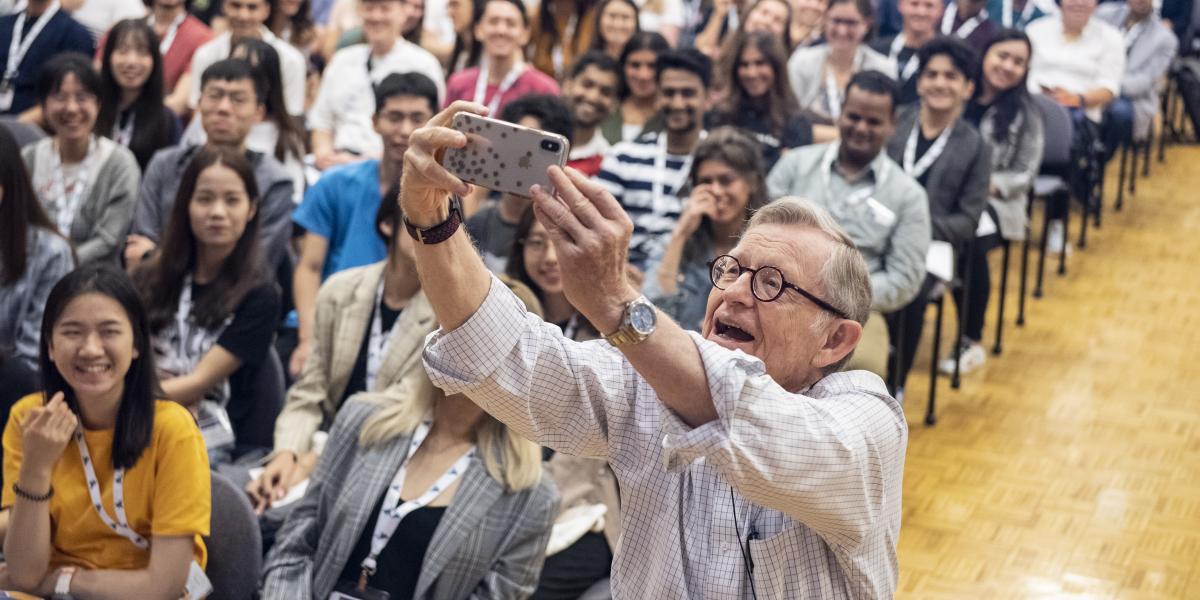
<point x="626" y="335"/>
<point x="62" y="586"/>
<point x="442" y="231"/>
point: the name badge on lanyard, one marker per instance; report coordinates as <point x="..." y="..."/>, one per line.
<point x="67" y="203"/>
<point x="917" y="168"/>
<point x="882" y="215"/>
<point x="378" y="344"/>
<point x="18" y="47"/>
<point x="212" y="418"/>
<point x="1026" y="13"/>
<point x="835" y="95"/>
<point x="910" y="66"/>
<point x="967" y="28"/>
<point x="169" y="37"/>
<point x="505" y="85"/>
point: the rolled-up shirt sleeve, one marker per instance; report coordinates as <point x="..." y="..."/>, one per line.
<point x="523" y="371"/>
<point x="827" y="462"/>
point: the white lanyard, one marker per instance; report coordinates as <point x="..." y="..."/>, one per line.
<point x="182" y="314"/>
<point x="20" y="44"/>
<point x="121" y="525"/>
<point x="660" y="172"/>
<point x="165" y="44"/>
<point x="1026" y="13"/>
<point x="123" y="129"/>
<point x="834" y="95"/>
<point x="377" y="345"/>
<point x="68" y="204"/>
<point x="916" y="168"/>
<point x="394" y="510"/>
<point x="910" y="66"/>
<point x="505" y="85"/>
<point x="968" y="26"/>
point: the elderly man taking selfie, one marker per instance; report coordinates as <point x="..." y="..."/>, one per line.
<point x="749" y="466"/>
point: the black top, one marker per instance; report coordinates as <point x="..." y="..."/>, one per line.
<point x="398" y="566"/>
<point x="358" y="377"/>
<point x="923" y="145"/>
<point x="908" y="87"/>
<point x="973" y="112"/>
<point x="797" y="131"/>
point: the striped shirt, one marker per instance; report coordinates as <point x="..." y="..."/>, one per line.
<point x="629" y="172"/>
<point x="807" y="484"/>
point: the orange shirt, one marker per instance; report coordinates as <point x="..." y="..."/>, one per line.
<point x="167" y="492"/>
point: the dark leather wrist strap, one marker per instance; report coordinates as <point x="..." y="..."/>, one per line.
<point x="30" y="497"/>
<point x="442" y="231"/>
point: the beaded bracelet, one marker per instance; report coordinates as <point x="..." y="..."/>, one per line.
<point x="30" y="497"/>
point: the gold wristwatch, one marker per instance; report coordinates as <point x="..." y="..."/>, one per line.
<point x="637" y="323"/>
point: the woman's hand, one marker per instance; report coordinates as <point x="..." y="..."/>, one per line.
<point x="702" y="203"/>
<point x="44" y="435"/>
<point x="426" y="185"/>
<point x="279" y="476"/>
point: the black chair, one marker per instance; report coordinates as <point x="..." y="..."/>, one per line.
<point x="234" y="543"/>
<point x="1057" y="160"/>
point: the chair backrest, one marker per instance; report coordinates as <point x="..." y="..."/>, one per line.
<point x="1058" y="132"/>
<point x="234" y="543"/>
<point x="23" y="133"/>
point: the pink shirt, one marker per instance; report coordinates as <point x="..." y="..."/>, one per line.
<point x="532" y="81"/>
<point x="192" y="34"/>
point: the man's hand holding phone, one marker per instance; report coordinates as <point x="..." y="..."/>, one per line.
<point x="427" y="185"/>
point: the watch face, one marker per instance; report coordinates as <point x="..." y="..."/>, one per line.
<point x="642" y="318"/>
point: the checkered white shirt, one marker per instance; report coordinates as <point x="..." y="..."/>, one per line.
<point x="815" y="478"/>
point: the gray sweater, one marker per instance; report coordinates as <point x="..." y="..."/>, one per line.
<point x="22" y="302"/>
<point x="99" y="227"/>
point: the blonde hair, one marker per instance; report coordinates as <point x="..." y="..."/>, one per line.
<point x="514" y="462"/>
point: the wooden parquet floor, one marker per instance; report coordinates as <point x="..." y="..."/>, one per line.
<point x="1069" y="466"/>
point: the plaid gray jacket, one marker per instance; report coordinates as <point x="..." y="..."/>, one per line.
<point x="489" y="544"/>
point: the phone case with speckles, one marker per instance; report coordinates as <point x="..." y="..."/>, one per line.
<point x="504" y="157"/>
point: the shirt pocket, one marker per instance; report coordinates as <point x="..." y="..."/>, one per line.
<point x="774" y="557"/>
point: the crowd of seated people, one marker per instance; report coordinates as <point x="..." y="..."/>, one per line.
<point x="203" y="266"/>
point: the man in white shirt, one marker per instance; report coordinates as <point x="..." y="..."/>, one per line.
<point x="1077" y="60"/>
<point x="340" y="119"/>
<point x="246" y="20"/>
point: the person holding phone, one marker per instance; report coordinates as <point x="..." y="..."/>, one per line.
<point x="749" y="462"/>
<point x="110" y="485"/>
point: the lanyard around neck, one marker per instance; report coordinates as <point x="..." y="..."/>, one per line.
<point x="20" y="44"/>
<point x="916" y="168"/>
<point x="165" y="44"/>
<point x="69" y="203"/>
<point x="506" y="84"/>
<point x="120" y="526"/>
<point x="378" y="344"/>
<point x="835" y="95"/>
<point x="968" y="26"/>
<point x="1026" y="13"/>
<point x="910" y="66"/>
<point x="394" y="509"/>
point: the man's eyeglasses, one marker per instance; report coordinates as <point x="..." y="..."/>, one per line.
<point x="766" y="283"/>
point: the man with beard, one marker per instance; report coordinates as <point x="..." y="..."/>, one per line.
<point x="884" y="210"/>
<point x="591" y="90"/>
<point x="645" y="175"/>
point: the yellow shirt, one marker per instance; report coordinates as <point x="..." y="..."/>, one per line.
<point x="167" y="492"/>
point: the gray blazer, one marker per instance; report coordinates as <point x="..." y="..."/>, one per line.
<point x="1146" y="61"/>
<point x="806" y="71"/>
<point x="1015" y="164"/>
<point x="23" y="301"/>
<point x="957" y="184"/>
<point x="490" y="543"/>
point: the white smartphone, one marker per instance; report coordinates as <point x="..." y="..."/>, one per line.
<point x="504" y="157"/>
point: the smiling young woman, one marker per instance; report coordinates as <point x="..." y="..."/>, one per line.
<point x="131" y="72"/>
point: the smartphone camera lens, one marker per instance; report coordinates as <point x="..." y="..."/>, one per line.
<point x="551" y="146"/>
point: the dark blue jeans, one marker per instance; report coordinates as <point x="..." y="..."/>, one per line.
<point x="1117" y="127"/>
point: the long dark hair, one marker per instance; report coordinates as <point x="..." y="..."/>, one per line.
<point x="598" y="41"/>
<point x="135" y="415"/>
<point x="787" y="40"/>
<point x="461" y="45"/>
<point x="303" y="29"/>
<point x="515" y="267"/>
<point x="414" y="35"/>
<point x="642" y="40"/>
<point x="780" y="102"/>
<point x="547" y="23"/>
<point x="152" y="125"/>
<point x="19" y="210"/>
<point x="264" y="60"/>
<point x="161" y="280"/>
<point x="743" y="155"/>
<point x="1008" y="104"/>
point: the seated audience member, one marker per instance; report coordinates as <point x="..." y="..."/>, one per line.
<point x="131" y="70"/>
<point x="616" y="24"/>
<point x="882" y="208"/>
<point x="773" y="17"/>
<point x="502" y="75"/>
<point x="639" y="89"/>
<point x="562" y="31"/>
<point x="727" y="186"/>
<point x="213" y="305"/>
<point x="493" y="227"/>
<point x="37" y="33"/>
<point x="100" y="15"/>
<point x="232" y="102"/>
<point x="766" y="16"/>
<point x="178" y="34"/>
<point x="109" y="493"/>
<point x="651" y="195"/>
<point x="920" y="20"/>
<point x="432" y="464"/>
<point x="967" y="19"/>
<point x="1017" y="14"/>
<point x="339" y="212"/>
<point x="291" y="21"/>
<point x="87" y="183"/>
<point x="1149" y="49"/>
<point x="1079" y="62"/>
<point x="33" y="257"/>
<point x="591" y="91"/>
<point x="1011" y="124"/>
<point x="247" y="19"/>
<point x="819" y="74"/>
<point x="341" y="121"/>
<point x="533" y="262"/>
<point x="947" y="156"/>
<point x="758" y="99"/>
<point x="278" y="134"/>
<point x="807" y="19"/>
<point x="464" y="52"/>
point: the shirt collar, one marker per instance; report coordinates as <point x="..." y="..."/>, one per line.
<point x="873" y="169"/>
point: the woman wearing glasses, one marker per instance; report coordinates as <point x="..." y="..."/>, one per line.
<point x="819" y="74"/>
<point x="727" y="187"/>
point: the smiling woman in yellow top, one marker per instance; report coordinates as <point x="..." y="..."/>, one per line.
<point x="109" y="492"/>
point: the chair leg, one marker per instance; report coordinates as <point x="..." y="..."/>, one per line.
<point x="1041" y="270"/>
<point x="931" y="409"/>
<point x="1121" y="168"/>
<point x="1146" y="159"/>
<point x="1062" y="256"/>
<point x="1085" y="215"/>
<point x="965" y="309"/>
<point x="897" y="353"/>
<point x="1024" y="277"/>
<point x="1003" y="293"/>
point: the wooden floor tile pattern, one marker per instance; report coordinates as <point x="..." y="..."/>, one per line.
<point x="1069" y="466"/>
